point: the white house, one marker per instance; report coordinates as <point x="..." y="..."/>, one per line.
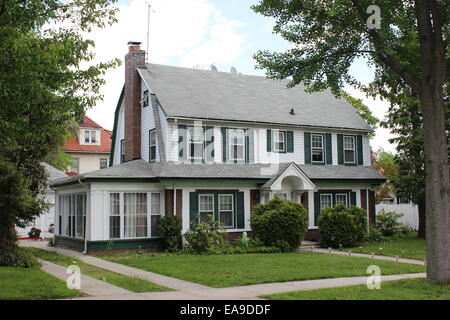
<point x="190" y="142"/>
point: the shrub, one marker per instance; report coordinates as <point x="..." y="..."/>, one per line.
<point x="341" y="225"/>
<point x="387" y="224"/>
<point x="280" y="223"/>
<point x="374" y="235"/>
<point x="17" y="258"/>
<point x="170" y="228"/>
<point x="203" y="237"/>
<point x="241" y="250"/>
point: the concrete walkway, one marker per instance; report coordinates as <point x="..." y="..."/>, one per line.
<point x="192" y="291"/>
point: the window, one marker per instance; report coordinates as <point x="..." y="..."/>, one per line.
<point x="103" y="163"/>
<point x="75" y="167"/>
<point x="326" y="201"/>
<point x="226" y="210"/>
<point x="122" y="151"/>
<point x="135" y="215"/>
<point x="155" y="214"/>
<point x="237" y="144"/>
<point x="279" y="141"/>
<point x="152" y="145"/>
<point x="349" y="149"/>
<point x="145" y="99"/>
<point x="205" y="206"/>
<point x="72" y="215"/>
<point x="317" y="147"/>
<point x="196" y="142"/>
<point x="90" y="137"/>
<point x="114" y="215"/>
<point x="341" y="198"/>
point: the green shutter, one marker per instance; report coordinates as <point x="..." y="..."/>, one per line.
<point x="329" y="154"/>
<point x="360" y="150"/>
<point x="340" y="141"/>
<point x="193" y="207"/>
<point x="216" y="207"/>
<point x="182" y="143"/>
<point x="269" y="140"/>
<point x="316" y="207"/>
<point x="224" y="144"/>
<point x="353" y="198"/>
<point x="307" y="148"/>
<point x="209" y="144"/>
<point x="249" y="147"/>
<point x="290" y="141"/>
<point x="240" y="212"/>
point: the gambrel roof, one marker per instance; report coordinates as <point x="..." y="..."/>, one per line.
<point x="202" y="94"/>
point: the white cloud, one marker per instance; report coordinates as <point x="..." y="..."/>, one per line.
<point x="379" y="109"/>
<point x="182" y="32"/>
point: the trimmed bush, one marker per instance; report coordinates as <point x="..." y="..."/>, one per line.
<point x="170" y="229"/>
<point x="204" y="237"/>
<point x="387" y="224"/>
<point x="279" y="223"/>
<point x="340" y="225"/>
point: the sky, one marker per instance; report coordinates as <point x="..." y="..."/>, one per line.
<point x="199" y="33"/>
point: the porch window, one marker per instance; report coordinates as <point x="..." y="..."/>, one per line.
<point x="317" y="147"/>
<point x="326" y="200"/>
<point x="341" y="198"/>
<point x="196" y="142"/>
<point x="155" y="214"/>
<point x="226" y="210"/>
<point x="237" y="144"/>
<point x="349" y="149"/>
<point x="114" y="216"/>
<point x="206" y="207"/>
<point x="80" y="214"/>
<point x="152" y="145"/>
<point x="72" y="215"/>
<point x="279" y="141"/>
<point x="135" y="215"/>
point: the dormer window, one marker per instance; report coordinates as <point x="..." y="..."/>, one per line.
<point x="90" y="137"/>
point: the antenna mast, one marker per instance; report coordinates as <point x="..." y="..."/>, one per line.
<point x="148" y="32"/>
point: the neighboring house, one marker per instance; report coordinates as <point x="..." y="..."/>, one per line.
<point x="46" y="219"/>
<point x="190" y="143"/>
<point x="89" y="147"/>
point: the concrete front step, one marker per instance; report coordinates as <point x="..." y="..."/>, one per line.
<point x="308" y="245"/>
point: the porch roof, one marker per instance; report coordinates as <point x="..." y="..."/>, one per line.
<point x="140" y="169"/>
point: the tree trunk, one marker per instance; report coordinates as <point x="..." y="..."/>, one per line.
<point x="437" y="198"/>
<point x="422" y="224"/>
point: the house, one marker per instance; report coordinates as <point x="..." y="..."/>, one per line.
<point x="89" y="147"/>
<point x="46" y="219"/>
<point x="193" y="143"/>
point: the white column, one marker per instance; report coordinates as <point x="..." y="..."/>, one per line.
<point x="311" y="208"/>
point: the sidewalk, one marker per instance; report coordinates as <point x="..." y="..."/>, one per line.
<point x="192" y="291"/>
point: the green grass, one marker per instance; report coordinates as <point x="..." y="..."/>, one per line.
<point x="129" y="283"/>
<point x="32" y="284"/>
<point x="407" y="289"/>
<point x="406" y="247"/>
<point x="244" y="269"/>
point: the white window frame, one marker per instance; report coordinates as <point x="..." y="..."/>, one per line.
<point x="276" y="139"/>
<point x="342" y="194"/>
<point x="195" y="143"/>
<point x="206" y="211"/>
<point x="354" y="149"/>
<point x="232" y="209"/>
<point x="122" y="212"/>
<point x="153" y="213"/>
<point x="150" y="145"/>
<point x="326" y="194"/>
<point x="321" y="135"/>
<point x="91" y="133"/>
<point x="70" y="213"/>
<point x="231" y="145"/>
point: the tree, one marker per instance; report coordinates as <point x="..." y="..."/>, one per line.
<point x="43" y="87"/>
<point x="411" y="43"/>
<point x="362" y="110"/>
<point x="386" y="165"/>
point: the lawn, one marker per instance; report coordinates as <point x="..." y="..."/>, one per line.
<point x="407" y="289"/>
<point x="129" y="283"/>
<point x="244" y="269"/>
<point x="408" y="246"/>
<point x="32" y="284"/>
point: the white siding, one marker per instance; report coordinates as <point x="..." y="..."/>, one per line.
<point x="366" y="150"/>
<point x="334" y="149"/>
<point x="147" y="123"/>
<point x="120" y="134"/>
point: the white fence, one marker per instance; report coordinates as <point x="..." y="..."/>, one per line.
<point x="410" y="213"/>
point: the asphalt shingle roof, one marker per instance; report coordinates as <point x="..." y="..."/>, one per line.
<point x="143" y="169"/>
<point x="202" y="94"/>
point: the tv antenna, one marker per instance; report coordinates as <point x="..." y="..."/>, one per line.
<point x="148" y="29"/>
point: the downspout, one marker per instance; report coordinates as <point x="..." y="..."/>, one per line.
<point x="85" y="238"/>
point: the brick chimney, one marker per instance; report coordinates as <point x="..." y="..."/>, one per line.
<point x="134" y="59"/>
